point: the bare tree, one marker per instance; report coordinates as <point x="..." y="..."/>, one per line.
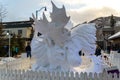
<point x="2" y="40"/>
<point x="2" y="15"/>
<point x="3" y="12"/>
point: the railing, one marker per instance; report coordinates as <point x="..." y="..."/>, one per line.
<point x="7" y="74"/>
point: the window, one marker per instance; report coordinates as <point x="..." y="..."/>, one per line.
<point x="19" y="32"/>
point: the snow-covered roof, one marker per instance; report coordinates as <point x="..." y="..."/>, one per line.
<point x="116" y="35"/>
<point x="118" y="23"/>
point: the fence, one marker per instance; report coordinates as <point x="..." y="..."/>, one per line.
<point x="7" y="74"/>
<point x="19" y="70"/>
<point x="115" y="59"/>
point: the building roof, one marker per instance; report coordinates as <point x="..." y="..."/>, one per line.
<point x="17" y="24"/>
<point x="116" y="35"/>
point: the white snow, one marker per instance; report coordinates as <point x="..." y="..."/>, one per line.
<point x="6" y="60"/>
<point x="91" y="64"/>
<point x="115" y="35"/>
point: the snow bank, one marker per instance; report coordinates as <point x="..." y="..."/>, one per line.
<point x="6" y="60"/>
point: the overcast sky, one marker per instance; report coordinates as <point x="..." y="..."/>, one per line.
<point x="79" y="10"/>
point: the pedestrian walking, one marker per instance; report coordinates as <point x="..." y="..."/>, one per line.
<point x="28" y="50"/>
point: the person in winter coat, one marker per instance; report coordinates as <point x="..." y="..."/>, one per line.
<point x="28" y="50"/>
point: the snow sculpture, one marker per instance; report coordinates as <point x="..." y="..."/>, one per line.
<point x="58" y="47"/>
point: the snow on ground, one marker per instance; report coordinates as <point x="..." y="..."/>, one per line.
<point x="89" y="64"/>
<point x="93" y="64"/>
<point x="7" y="59"/>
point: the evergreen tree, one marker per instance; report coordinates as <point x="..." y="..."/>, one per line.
<point x="2" y="41"/>
<point x="17" y="41"/>
<point x="112" y="21"/>
<point x="1" y="34"/>
<point x="21" y="43"/>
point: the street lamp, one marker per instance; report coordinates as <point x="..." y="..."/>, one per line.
<point x="40" y="10"/>
<point x="106" y="42"/>
<point x="8" y="33"/>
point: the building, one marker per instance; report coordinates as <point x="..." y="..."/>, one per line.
<point x="22" y="28"/>
<point x="104" y="30"/>
<point x="115" y="39"/>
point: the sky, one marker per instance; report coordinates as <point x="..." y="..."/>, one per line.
<point x="79" y="10"/>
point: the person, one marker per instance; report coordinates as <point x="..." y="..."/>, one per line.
<point x="118" y="50"/>
<point x="28" y="50"/>
<point x="108" y="49"/>
<point x="16" y="51"/>
<point x="6" y="48"/>
<point x="13" y="51"/>
<point x="98" y="51"/>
